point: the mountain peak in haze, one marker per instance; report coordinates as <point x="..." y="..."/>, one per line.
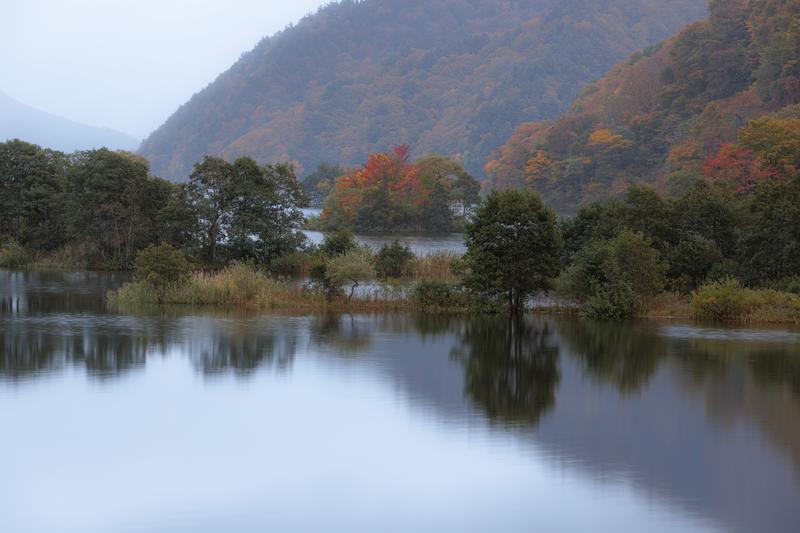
<point x="21" y="121"/>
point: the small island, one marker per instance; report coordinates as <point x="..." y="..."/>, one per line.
<point x="391" y="194"/>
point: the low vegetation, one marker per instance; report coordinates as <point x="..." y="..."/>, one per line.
<point x="727" y="300"/>
<point x="12" y="255"/>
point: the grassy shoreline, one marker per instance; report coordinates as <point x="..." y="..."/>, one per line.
<point x="245" y="287"/>
<point x="241" y="286"/>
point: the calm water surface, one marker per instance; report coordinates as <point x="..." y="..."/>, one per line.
<point x="419" y="244"/>
<point x="180" y="421"/>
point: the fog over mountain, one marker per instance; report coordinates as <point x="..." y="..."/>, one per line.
<point x="20" y="121"/>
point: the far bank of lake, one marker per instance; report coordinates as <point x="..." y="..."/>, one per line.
<point x="419" y="244"/>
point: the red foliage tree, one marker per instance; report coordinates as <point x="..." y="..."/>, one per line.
<point x="740" y="168"/>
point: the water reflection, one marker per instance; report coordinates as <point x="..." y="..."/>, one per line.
<point x="704" y="421"/>
<point x="510" y="367"/>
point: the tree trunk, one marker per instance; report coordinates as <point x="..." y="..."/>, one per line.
<point x="352" y="290"/>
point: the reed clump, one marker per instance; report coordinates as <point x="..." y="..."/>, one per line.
<point x="728" y="301"/>
<point x="443" y="266"/>
<point x="239" y="284"/>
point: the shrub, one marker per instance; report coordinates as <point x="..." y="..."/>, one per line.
<point x="13" y="255"/>
<point x="160" y="266"/>
<point x="290" y="265"/>
<point x="239" y="284"/>
<point x="727" y="300"/>
<point x="337" y="244"/>
<point x="393" y="260"/>
<point x="692" y="261"/>
<point x="612" y="301"/>
<point x="722" y="301"/>
<point x="430" y="295"/>
<point x="351" y="268"/>
<point x="614" y="279"/>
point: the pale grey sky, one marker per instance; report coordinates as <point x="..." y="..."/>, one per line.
<point x="128" y="64"/>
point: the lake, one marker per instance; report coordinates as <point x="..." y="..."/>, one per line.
<point x="419" y="244"/>
<point x="207" y="421"/>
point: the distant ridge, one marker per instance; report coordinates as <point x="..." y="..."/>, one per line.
<point x="20" y="121"/>
<point x="448" y="76"/>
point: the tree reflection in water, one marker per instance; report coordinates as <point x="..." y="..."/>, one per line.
<point x="344" y="334"/>
<point x="243" y="348"/>
<point x="510" y="366"/>
<point x="624" y="354"/>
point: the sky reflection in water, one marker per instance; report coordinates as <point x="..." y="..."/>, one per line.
<point x="170" y="421"/>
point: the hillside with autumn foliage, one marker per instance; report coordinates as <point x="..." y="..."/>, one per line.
<point x="684" y="109"/>
<point x="444" y="76"/>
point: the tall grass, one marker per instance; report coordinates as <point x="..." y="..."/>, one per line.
<point x="239" y="284"/>
<point x="437" y="266"/>
<point x="242" y="285"/>
<point x="728" y="301"/>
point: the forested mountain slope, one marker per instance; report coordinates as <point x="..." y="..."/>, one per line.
<point x="666" y="116"/>
<point x="20" y="121"/>
<point x="448" y="76"/>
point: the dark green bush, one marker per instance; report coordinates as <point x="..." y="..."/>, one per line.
<point x="161" y="265"/>
<point x="339" y="243"/>
<point x="13" y="255"/>
<point x="614" y="279"/>
<point x="435" y="295"/>
<point x="613" y="301"/>
<point x="393" y="260"/>
<point x="692" y="261"/>
<point x="290" y="265"/>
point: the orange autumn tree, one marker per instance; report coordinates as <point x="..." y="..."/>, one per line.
<point x="389" y="193"/>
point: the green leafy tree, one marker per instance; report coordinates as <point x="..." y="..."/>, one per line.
<point x="266" y="216"/>
<point x="592" y="222"/>
<point x="317" y="184"/>
<point x="13" y="255"/>
<point x="769" y="247"/>
<point x="113" y="205"/>
<point x="351" y="269"/>
<point x="614" y="278"/>
<point x="513" y="248"/>
<point x="32" y="198"/>
<point x="466" y="192"/>
<point x="211" y="192"/>
<point x="692" y="261"/>
<point x="336" y="244"/>
<point x="438" y="216"/>
<point x="252" y="211"/>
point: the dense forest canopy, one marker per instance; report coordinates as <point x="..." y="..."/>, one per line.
<point x="673" y="113"/>
<point x="99" y="208"/>
<point x="443" y="76"/>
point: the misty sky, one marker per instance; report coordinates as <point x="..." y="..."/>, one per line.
<point x="128" y="64"/>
